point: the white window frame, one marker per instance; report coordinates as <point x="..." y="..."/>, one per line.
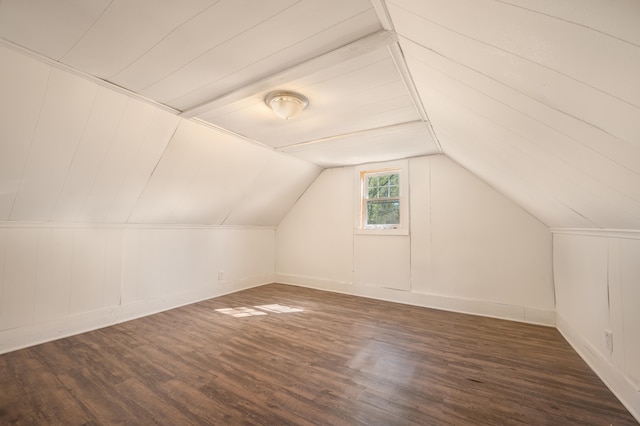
<point x="401" y="168"/>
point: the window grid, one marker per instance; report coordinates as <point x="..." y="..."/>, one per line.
<point x="381" y="199"/>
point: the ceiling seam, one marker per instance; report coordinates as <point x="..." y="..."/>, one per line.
<point x="86" y="31"/>
<point x="353" y="49"/>
<point x="540" y="189"/>
<point x="173" y="30"/>
<point x="33" y="137"/>
<point x="213" y="47"/>
<point x="145" y="186"/>
<point x="543" y="149"/>
<point x="273" y="54"/>
<point x="106" y="153"/>
<point x="75" y="153"/>
<point x="91" y="78"/>
<point x="515" y="55"/>
<point x="548" y="15"/>
<point x="354" y="133"/>
<point x="397" y="55"/>
<point x="524" y="113"/>
<point x="403" y="69"/>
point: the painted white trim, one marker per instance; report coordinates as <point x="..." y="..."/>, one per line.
<point x="407" y="125"/>
<point x="104" y="83"/>
<point x="633" y="234"/>
<point x="403" y="170"/>
<point x="21" y="224"/>
<point x="34" y="334"/>
<point x="383" y="14"/>
<point x="366" y="44"/>
<point x="407" y="79"/>
<point x="446" y="303"/>
<point x="615" y="380"/>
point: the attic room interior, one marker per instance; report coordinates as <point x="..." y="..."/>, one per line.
<point x="320" y="212"/>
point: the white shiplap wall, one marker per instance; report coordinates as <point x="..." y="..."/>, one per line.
<point x="540" y="100"/>
<point x="496" y="261"/>
<point x="58" y="280"/>
<point x="596" y="278"/>
<point x="74" y="151"/>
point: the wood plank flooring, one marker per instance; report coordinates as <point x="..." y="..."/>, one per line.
<point x="341" y="360"/>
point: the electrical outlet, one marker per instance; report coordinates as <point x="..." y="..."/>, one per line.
<point x="608" y="338"/>
<point x="220" y="275"/>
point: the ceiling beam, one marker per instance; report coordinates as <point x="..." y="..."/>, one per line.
<point x="366" y="132"/>
<point x="380" y="6"/>
<point x="99" y="81"/>
<point x="383" y="14"/>
<point x="403" y="69"/>
<point x="352" y="50"/>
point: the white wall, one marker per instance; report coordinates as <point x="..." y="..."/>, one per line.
<point x="540" y="99"/>
<point x="74" y="151"/>
<point x="469" y="248"/>
<point x="597" y="278"/>
<point x="57" y="280"/>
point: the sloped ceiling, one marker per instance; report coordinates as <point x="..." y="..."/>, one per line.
<point x="153" y="112"/>
<point x="541" y="99"/>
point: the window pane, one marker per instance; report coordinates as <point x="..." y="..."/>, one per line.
<point x="383" y="212"/>
<point x="394" y="191"/>
<point x="373" y="192"/>
<point x="394" y="179"/>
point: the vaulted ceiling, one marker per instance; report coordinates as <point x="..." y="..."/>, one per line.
<point x="153" y="112"/>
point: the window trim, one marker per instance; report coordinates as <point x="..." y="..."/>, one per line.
<point x="401" y="167"/>
<point x="364" y="198"/>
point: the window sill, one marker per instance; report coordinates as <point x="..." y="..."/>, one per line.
<point x="381" y="231"/>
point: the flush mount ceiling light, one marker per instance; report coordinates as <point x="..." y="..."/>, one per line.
<point x="286" y="104"/>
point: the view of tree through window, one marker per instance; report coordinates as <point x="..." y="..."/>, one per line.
<point x="382" y="193"/>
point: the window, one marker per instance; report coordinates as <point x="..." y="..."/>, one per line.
<point x="381" y="199"/>
<point x="382" y="205"/>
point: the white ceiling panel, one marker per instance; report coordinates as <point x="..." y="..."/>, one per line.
<point x="394" y="142"/>
<point x="63" y="115"/>
<point x="334" y="37"/>
<point x="561" y="134"/>
<point x="560" y="166"/>
<point x="206" y="174"/>
<point x="194" y="38"/>
<point x="23" y="82"/>
<point x="552" y="88"/>
<point x="51" y="28"/>
<point x="359" y="94"/>
<point x="619" y="21"/>
<point x="142" y="135"/>
<point x="468" y="144"/>
<point x="127" y="30"/>
<point x="541" y="39"/>
<point x="199" y="179"/>
<point x="281" y="30"/>
<point x="100" y="130"/>
<point x="543" y="108"/>
<point x="273" y="192"/>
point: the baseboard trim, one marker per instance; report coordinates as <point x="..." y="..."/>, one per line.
<point x="35" y="334"/>
<point x="445" y="303"/>
<point x="615" y="379"/>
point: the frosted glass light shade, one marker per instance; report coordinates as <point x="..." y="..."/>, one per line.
<point x="286" y="104"/>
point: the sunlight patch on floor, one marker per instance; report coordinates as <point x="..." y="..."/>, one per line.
<point x="248" y="312"/>
<point x="241" y="312"/>
<point x="279" y="309"/>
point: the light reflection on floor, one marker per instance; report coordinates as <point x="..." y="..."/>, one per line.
<point x="248" y="312"/>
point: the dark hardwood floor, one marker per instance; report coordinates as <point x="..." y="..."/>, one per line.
<point x="341" y="360"/>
